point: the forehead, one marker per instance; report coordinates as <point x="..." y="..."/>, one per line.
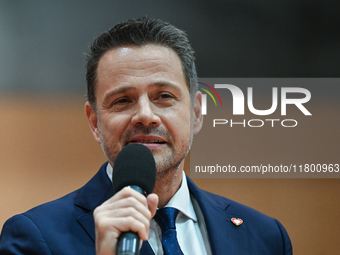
<point x="140" y="64"/>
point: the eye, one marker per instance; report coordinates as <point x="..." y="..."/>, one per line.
<point x="165" y="99"/>
<point x="121" y="101"/>
<point x="165" y="96"/>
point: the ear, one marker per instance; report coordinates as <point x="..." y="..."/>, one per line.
<point x="198" y="117"/>
<point x="93" y="121"/>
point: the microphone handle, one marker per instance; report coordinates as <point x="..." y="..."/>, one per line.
<point x="128" y="242"/>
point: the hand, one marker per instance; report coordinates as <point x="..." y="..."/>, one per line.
<point x="127" y="210"/>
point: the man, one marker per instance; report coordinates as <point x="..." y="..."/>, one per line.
<point x="140" y="90"/>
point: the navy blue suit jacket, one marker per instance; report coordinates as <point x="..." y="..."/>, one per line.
<point x="66" y="225"/>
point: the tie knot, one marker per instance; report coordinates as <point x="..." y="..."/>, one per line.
<point x="166" y="218"/>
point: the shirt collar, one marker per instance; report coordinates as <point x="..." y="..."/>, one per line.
<point x="109" y="171"/>
<point x="181" y="200"/>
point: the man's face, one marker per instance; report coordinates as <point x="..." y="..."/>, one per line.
<point x="142" y="97"/>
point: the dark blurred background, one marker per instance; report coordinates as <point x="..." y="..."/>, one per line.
<point x="42" y="42"/>
<point x="46" y="149"/>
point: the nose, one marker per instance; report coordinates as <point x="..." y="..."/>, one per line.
<point x="145" y="114"/>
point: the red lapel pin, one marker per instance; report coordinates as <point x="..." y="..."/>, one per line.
<point x="237" y="222"/>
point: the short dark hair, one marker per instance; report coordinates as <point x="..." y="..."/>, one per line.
<point x="139" y="32"/>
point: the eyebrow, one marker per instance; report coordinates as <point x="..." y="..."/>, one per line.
<point x="165" y="84"/>
<point x="127" y="88"/>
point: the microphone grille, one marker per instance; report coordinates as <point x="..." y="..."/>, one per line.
<point x="134" y="165"/>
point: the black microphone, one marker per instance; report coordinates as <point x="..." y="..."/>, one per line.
<point x="135" y="167"/>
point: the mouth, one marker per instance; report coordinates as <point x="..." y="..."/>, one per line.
<point x="148" y="141"/>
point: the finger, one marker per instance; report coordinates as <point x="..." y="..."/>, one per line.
<point x="127" y="192"/>
<point x="143" y="217"/>
<point x="152" y="200"/>
<point x="130" y="209"/>
<point x="126" y="203"/>
<point x="123" y="224"/>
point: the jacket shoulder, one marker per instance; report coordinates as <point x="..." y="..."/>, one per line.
<point x="21" y="236"/>
<point x="265" y="233"/>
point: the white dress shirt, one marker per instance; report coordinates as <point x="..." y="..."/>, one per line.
<point x="190" y="225"/>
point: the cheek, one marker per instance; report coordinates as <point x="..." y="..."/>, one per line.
<point x="178" y="123"/>
<point x="114" y="125"/>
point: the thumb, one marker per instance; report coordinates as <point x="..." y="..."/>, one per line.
<point x="152" y="200"/>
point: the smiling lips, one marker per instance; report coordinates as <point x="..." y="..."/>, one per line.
<point x="150" y="142"/>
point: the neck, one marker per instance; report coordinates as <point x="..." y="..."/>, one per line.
<point x="168" y="184"/>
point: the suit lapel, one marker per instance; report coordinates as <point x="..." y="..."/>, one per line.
<point x="146" y="249"/>
<point x="225" y="238"/>
<point x="94" y="193"/>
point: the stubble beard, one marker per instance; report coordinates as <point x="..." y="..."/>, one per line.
<point x="165" y="164"/>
